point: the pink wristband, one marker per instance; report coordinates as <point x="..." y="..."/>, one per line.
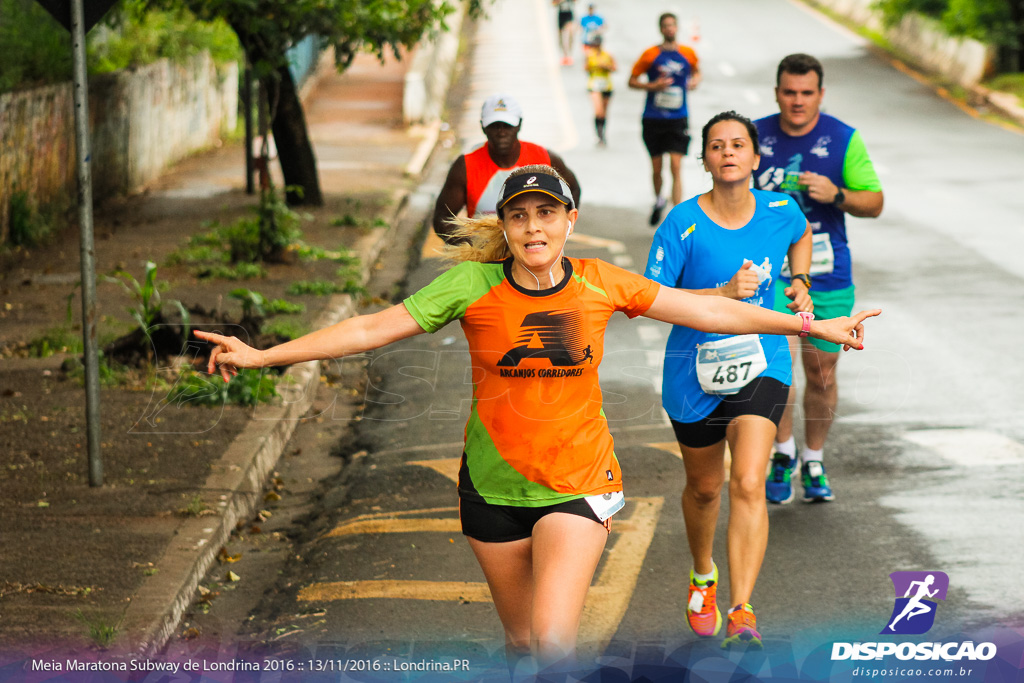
<point x="806" y="318"/>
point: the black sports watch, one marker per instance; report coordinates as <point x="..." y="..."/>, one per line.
<point x="804" y="278"/>
<point x="840" y="197"/>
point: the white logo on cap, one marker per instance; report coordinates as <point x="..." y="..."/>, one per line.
<point x="532" y="180"/>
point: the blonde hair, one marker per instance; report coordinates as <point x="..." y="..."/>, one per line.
<point x="483" y="239"/>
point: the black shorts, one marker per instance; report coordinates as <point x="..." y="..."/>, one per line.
<point x="663" y="136"/>
<point x="765" y="396"/>
<point x="503" y="523"/>
<point x="563" y="18"/>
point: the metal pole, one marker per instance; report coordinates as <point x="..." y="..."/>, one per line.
<point x="250" y="164"/>
<point x="92" y="376"/>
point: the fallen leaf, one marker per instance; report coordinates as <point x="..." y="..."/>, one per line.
<point x="233" y="577"/>
<point x="224" y="557"/>
<point x="272" y="496"/>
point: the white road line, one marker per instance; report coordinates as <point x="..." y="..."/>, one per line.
<point x="750" y="95"/>
<point x="969" y="447"/>
<point x="623" y="261"/>
<point x="727" y="69"/>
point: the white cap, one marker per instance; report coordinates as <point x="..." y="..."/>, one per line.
<point x="502" y="108"/>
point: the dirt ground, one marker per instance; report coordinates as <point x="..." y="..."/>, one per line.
<point x="155" y="455"/>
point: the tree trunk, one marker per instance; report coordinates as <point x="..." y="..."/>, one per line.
<point x="294" y="149"/>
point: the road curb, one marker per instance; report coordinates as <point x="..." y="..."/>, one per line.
<point x="234" y="489"/>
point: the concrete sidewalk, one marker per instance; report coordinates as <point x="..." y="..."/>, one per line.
<point x="355" y="122"/>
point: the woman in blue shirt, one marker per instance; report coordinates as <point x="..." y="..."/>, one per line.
<point x="718" y="389"/>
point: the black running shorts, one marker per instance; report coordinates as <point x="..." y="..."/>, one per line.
<point x="664" y="136"/>
<point x="564" y="18"/>
<point x="503" y="523"/>
<point x="765" y="396"/>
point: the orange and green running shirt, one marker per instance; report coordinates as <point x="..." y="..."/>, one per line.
<point x="537" y="434"/>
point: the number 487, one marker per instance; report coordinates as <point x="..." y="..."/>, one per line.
<point x="731" y="373"/>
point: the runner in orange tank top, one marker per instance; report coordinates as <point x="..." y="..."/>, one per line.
<point x="474" y="179"/>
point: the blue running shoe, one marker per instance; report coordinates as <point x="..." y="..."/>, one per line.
<point x="779" y="486"/>
<point x="816" y="488"/>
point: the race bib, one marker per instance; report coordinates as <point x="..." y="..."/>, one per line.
<point x="727" y="365"/>
<point x="670" y="98"/>
<point x="823" y="259"/>
<point x="605" y="505"/>
<point x="601" y="84"/>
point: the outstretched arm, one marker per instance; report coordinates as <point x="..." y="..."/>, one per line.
<point x="725" y="316"/>
<point x="350" y="336"/>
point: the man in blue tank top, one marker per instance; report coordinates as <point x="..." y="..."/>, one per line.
<point x="824" y="165"/>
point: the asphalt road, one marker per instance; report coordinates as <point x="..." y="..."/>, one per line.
<point x="924" y="456"/>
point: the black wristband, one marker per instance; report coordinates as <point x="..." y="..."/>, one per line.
<point x="804" y="278"/>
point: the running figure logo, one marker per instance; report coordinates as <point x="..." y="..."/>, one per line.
<point x="914" y="612"/>
<point x="554" y="335"/>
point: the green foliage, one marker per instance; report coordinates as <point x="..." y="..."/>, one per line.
<point x="267" y="232"/>
<point x="240" y="271"/>
<point x="285" y="328"/>
<point x="1012" y="83"/>
<point x="37" y="49"/>
<point x="137" y="36"/>
<point x="267" y="28"/>
<point x="248" y="388"/>
<point x="195" y="507"/>
<point x="985" y="20"/>
<point x="100" y="632"/>
<point x="346" y="221"/>
<point x="111" y="374"/>
<point x="254" y="303"/>
<point x="148" y="308"/>
<point x="59" y="339"/>
<point x="314" y="287"/>
<point x="352" y="277"/>
<point x="27" y="226"/>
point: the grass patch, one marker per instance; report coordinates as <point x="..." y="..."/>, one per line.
<point x="59" y="339"/>
<point x="111" y="374"/>
<point x="239" y="271"/>
<point x="102" y="633"/>
<point x="1011" y="83"/>
<point x="195" y="507"/>
<point x="285" y="328"/>
<point x="27" y="226"/>
<point x="314" y="287"/>
<point x="249" y="388"/>
<point x="254" y="303"/>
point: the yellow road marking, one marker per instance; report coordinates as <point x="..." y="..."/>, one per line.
<point x="448" y="591"/>
<point x="448" y="467"/>
<point x="607" y="599"/>
<point x="396" y="526"/>
<point x="385" y="516"/>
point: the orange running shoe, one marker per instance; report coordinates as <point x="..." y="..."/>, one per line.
<point x="742" y="629"/>
<point x="702" y="612"/>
